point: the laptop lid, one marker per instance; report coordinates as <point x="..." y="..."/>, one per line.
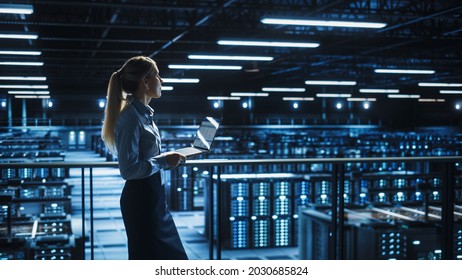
<point x="206" y="133"/>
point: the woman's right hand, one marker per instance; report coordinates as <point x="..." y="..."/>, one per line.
<point x="174" y="159"/>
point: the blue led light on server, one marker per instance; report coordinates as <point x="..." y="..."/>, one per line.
<point x="261" y="206"/>
<point x="302" y="192"/>
<point x="261" y="189"/>
<point x="282" y="205"/>
<point x="240" y="233"/>
<point x="239" y="189"/>
<point x="323" y="190"/>
<point x="399" y="197"/>
<point x="381" y="197"/>
<point x="261" y="232"/>
<point x="392" y="245"/>
<point x="435" y="196"/>
<point x="281" y="188"/>
<point x="240" y="207"/>
<point x="25" y="173"/>
<point x="8" y="173"/>
<point x="281" y="231"/>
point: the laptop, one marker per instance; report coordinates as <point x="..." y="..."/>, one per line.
<point x="203" y="139"/>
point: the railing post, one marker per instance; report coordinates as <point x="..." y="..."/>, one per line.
<point x="211" y="213"/>
<point x="92" y="234"/>
<point x="341" y="211"/>
<point x="83" y="210"/>
<point x="447" y="211"/>
<point x="334" y="199"/>
<point x="219" y="213"/>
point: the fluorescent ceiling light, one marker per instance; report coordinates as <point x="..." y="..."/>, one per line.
<point x="430" y="100"/>
<point x="336" y="83"/>
<point x="19" y="78"/>
<point x="377" y="90"/>
<point x="404" y="71"/>
<point x="439" y="85"/>
<point x="16" y="9"/>
<point x="182" y="80"/>
<point x="31" y="96"/>
<point x="355" y="99"/>
<point x="267" y="44"/>
<point x="25" y="86"/>
<point x="205" y="67"/>
<point x="16" y="63"/>
<point x="243" y="94"/>
<point x="231" y="57"/>
<point x="298" y="98"/>
<point x="21" y="52"/>
<point x="451" y="91"/>
<point x="223" y="98"/>
<point x="333" y="95"/>
<point x="29" y="36"/>
<point x="278" y="89"/>
<point x="167" y="88"/>
<point x="28" y="92"/>
<point x="329" y="23"/>
<point x="403" y="96"/>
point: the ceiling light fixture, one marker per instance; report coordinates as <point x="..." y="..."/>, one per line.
<point x="231" y="57"/>
<point x="327" y="23"/>
<point x="248" y="94"/>
<point x="359" y="99"/>
<point x="223" y="98"/>
<point x="16" y="9"/>
<point x="267" y="44"/>
<point x="431" y="100"/>
<point x="329" y="95"/>
<point x="298" y="98"/>
<point x="439" y="85"/>
<point x="16" y="63"/>
<point x="27" y="36"/>
<point x="377" y="90"/>
<point x="204" y="67"/>
<point x="19" y="78"/>
<point x="331" y="83"/>
<point x="32" y="96"/>
<point x="180" y="80"/>
<point x="451" y="91"/>
<point x="403" y="71"/>
<point x="25" y="86"/>
<point x="278" y="89"/>
<point x="403" y="96"/>
<point x="28" y="92"/>
<point x="21" y="52"/>
<point x="166" y="88"/>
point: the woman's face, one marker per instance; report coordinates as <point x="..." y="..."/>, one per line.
<point x="154" y="82"/>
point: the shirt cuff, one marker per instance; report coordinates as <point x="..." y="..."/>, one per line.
<point x="161" y="160"/>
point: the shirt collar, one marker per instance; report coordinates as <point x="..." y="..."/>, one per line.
<point x="142" y="109"/>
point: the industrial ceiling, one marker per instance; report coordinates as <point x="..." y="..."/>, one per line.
<point x="83" y="42"/>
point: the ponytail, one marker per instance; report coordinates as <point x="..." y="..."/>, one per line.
<point x="115" y="103"/>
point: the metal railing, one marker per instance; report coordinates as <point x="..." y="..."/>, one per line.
<point x="216" y="168"/>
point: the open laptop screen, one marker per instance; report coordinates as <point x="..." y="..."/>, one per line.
<point x="206" y="133"/>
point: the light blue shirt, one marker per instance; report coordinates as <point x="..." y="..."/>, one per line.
<point x="138" y="142"/>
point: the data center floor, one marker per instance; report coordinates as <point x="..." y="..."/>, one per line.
<point x="109" y="234"/>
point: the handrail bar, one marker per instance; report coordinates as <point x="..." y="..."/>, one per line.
<point x="207" y="162"/>
<point x="338" y="178"/>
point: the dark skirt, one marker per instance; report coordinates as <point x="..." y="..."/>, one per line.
<point x="151" y="231"/>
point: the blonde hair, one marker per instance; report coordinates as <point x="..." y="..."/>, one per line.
<point x="122" y="82"/>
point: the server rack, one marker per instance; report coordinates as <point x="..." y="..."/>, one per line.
<point x="378" y="233"/>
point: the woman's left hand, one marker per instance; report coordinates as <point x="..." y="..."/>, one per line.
<point x="174" y="159"/>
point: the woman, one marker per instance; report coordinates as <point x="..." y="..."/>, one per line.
<point x="130" y="133"/>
